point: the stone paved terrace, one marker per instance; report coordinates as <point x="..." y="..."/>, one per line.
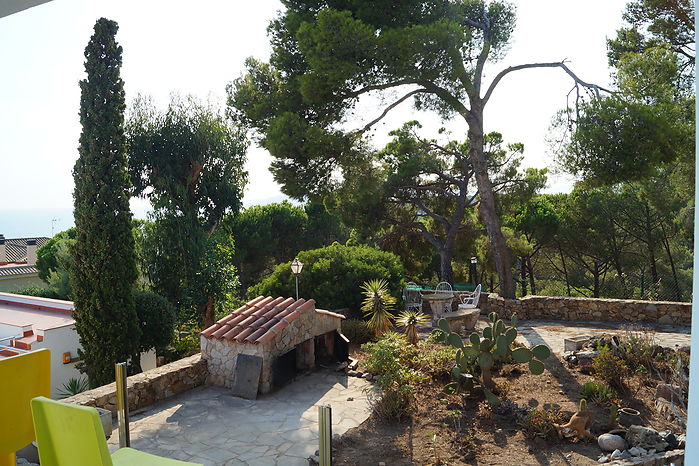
<point x="553" y="332"/>
<point x="207" y="425"/>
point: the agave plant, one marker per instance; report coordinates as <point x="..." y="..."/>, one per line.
<point x="73" y="387"/>
<point x="410" y="319"/>
<point x="377" y="305"/>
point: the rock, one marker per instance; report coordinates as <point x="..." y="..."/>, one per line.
<point x="353" y="373"/>
<point x="681" y="441"/>
<point x="645" y="437"/>
<point x="341" y="366"/>
<point x="616" y="454"/>
<point x="665" y="320"/>
<point x="313" y="460"/>
<point x="668" y="392"/>
<point x="603" y="459"/>
<point x="670" y="438"/>
<point x="635" y="451"/>
<point x="611" y="442"/>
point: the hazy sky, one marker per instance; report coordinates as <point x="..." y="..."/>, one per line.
<point x="198" y="47"/>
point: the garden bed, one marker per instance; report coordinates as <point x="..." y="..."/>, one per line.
<point x="464" y="429"/>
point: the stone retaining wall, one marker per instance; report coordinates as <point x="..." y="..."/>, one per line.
<point x="588" y="309"/>
<point x="149" y="386"/>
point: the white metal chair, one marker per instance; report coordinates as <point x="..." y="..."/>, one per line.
<point x="444" y="289"/>
<point x="470" y="300"/>
<point x="412" y="297"/>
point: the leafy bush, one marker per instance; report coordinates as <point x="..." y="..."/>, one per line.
<point x="388" y="360"/>
<point x="332" y="276"/>
<point x="597" y="392"/>
<point x="157" y="317"/>
<point x="610" y="369"/>
<point x="637" y="348"/>
<point x="357" y="331"/>
<point x="35" y="290"/>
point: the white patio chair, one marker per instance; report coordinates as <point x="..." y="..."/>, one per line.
<point x="444" y="289"/>
<point x="412" y="297"/>
<point x="470" y="300"/>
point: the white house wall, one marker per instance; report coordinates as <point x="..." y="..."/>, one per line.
<point x="61" y="340"/>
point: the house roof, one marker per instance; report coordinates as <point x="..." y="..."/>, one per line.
<point x="39" y="313"/>
<point x="9" y="271"/>
<point x="259" y="320"/>
<point x="16" y="248"/>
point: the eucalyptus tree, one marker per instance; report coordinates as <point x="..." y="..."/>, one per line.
<point x="327" y="54"/>
<point x="189" y="162"/>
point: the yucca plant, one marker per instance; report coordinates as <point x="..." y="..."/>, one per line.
<point x="378" y="305"/>
<point x="73" y="387"/>
<point x="410" y="319"/>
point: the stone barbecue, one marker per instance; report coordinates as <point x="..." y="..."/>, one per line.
<point x="288" y="335"/>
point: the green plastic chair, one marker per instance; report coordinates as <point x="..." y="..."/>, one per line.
<point x="71" y="435"/>
<point x="22" y="378"/>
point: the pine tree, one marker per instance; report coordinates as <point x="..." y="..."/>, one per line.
<point x="104" y="271"/>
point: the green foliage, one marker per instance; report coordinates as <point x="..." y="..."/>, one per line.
<point x="610" y="369"/>
<point x="274" y="233"/>
<point x="103" y="270"/>
<point x="332" y="276"/>
<point x="597" y="392"/>
<point x="35" y="290"/>
<point x="357" y="331"/>
<point x="378" y="305"/>
<point x="73" y="387"/>
<point x="189" y="162"/>
<point x="541" y="423"/>
<point x="484" y="351"/>
<point x="410" y="320"/>
<point x="46" y="260"/>
<point x="157" y="317"/>
<point x="393" y="361"/>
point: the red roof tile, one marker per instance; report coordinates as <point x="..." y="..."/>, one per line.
<point x="259" y="320"/>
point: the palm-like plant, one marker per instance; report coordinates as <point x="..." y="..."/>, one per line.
<point x="73" y="387"/>
<point x="377" y="305"/>
<point x="410" y="319"/>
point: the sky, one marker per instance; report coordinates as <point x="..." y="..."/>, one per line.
<point x="198" y="47"/>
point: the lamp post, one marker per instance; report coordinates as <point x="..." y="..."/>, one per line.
<point x="472" y="271"/>
<point x="296" y="268"/>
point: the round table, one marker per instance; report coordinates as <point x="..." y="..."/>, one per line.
<point x="437" y="301"/>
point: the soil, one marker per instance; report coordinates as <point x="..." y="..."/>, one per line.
<point x="458" y="430"/>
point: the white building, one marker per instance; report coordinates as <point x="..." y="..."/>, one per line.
<point x="28" y="323"/>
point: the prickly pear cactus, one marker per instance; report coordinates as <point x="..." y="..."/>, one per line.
<point x="484" y="351"/>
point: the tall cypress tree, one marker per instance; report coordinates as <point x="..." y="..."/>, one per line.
<point x="103" y="272"/>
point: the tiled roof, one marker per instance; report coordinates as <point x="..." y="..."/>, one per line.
<point x="259" y="320"/>
<point x="13" y="270"/>
<point x="16" y="248"/>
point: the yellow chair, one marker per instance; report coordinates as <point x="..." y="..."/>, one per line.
<point x="22" y="378"/>
<point x="71" y="435"/>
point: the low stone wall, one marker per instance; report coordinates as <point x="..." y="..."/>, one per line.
<point x="149" y="386"/>
<point x="587" y="309"/>
<point x="674" y="457"/>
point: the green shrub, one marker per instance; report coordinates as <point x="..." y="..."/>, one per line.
<point x="377" y="306"/>
<point x="610" y="369"/>
<point x="35" y="290"/>
<point x="332" y="276"/>
<point x="540" y="423"/>
<point x="357" y="331"/>
<point x="157" y="317"/>
<point x="597" y="392"/>
<point x="73" y="387"/>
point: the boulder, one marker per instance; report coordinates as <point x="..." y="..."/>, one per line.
<point x="668" y="392"/>
<point x="611" y="442"/>
<point x="645" y="437"/>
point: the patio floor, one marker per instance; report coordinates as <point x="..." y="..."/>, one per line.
<point x="207" y="425"/>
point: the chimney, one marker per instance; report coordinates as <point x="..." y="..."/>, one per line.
<point x="31" y="252"/>
<point x="3" y="250"/>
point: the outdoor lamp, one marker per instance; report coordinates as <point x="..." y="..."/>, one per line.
<point x="296" y="268"/>
<point x="472" y="271"/>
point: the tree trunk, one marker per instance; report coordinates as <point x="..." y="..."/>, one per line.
<point x="523" y="271"/>
<point x="666" y="243"/>
<point x="565" y="270"/>
<point x="596" y="274"/>
<point x="445" y="270"/>
<point x="487" y="205"/>
<point x="531" y="275"/>
<point x="208" y="314"/>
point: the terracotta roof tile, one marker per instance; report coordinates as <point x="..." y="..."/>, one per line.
<point x="259" y="320"/>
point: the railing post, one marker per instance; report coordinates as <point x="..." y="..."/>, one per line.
<point x="325" y="455"/>
<point x="122" y="402"/>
